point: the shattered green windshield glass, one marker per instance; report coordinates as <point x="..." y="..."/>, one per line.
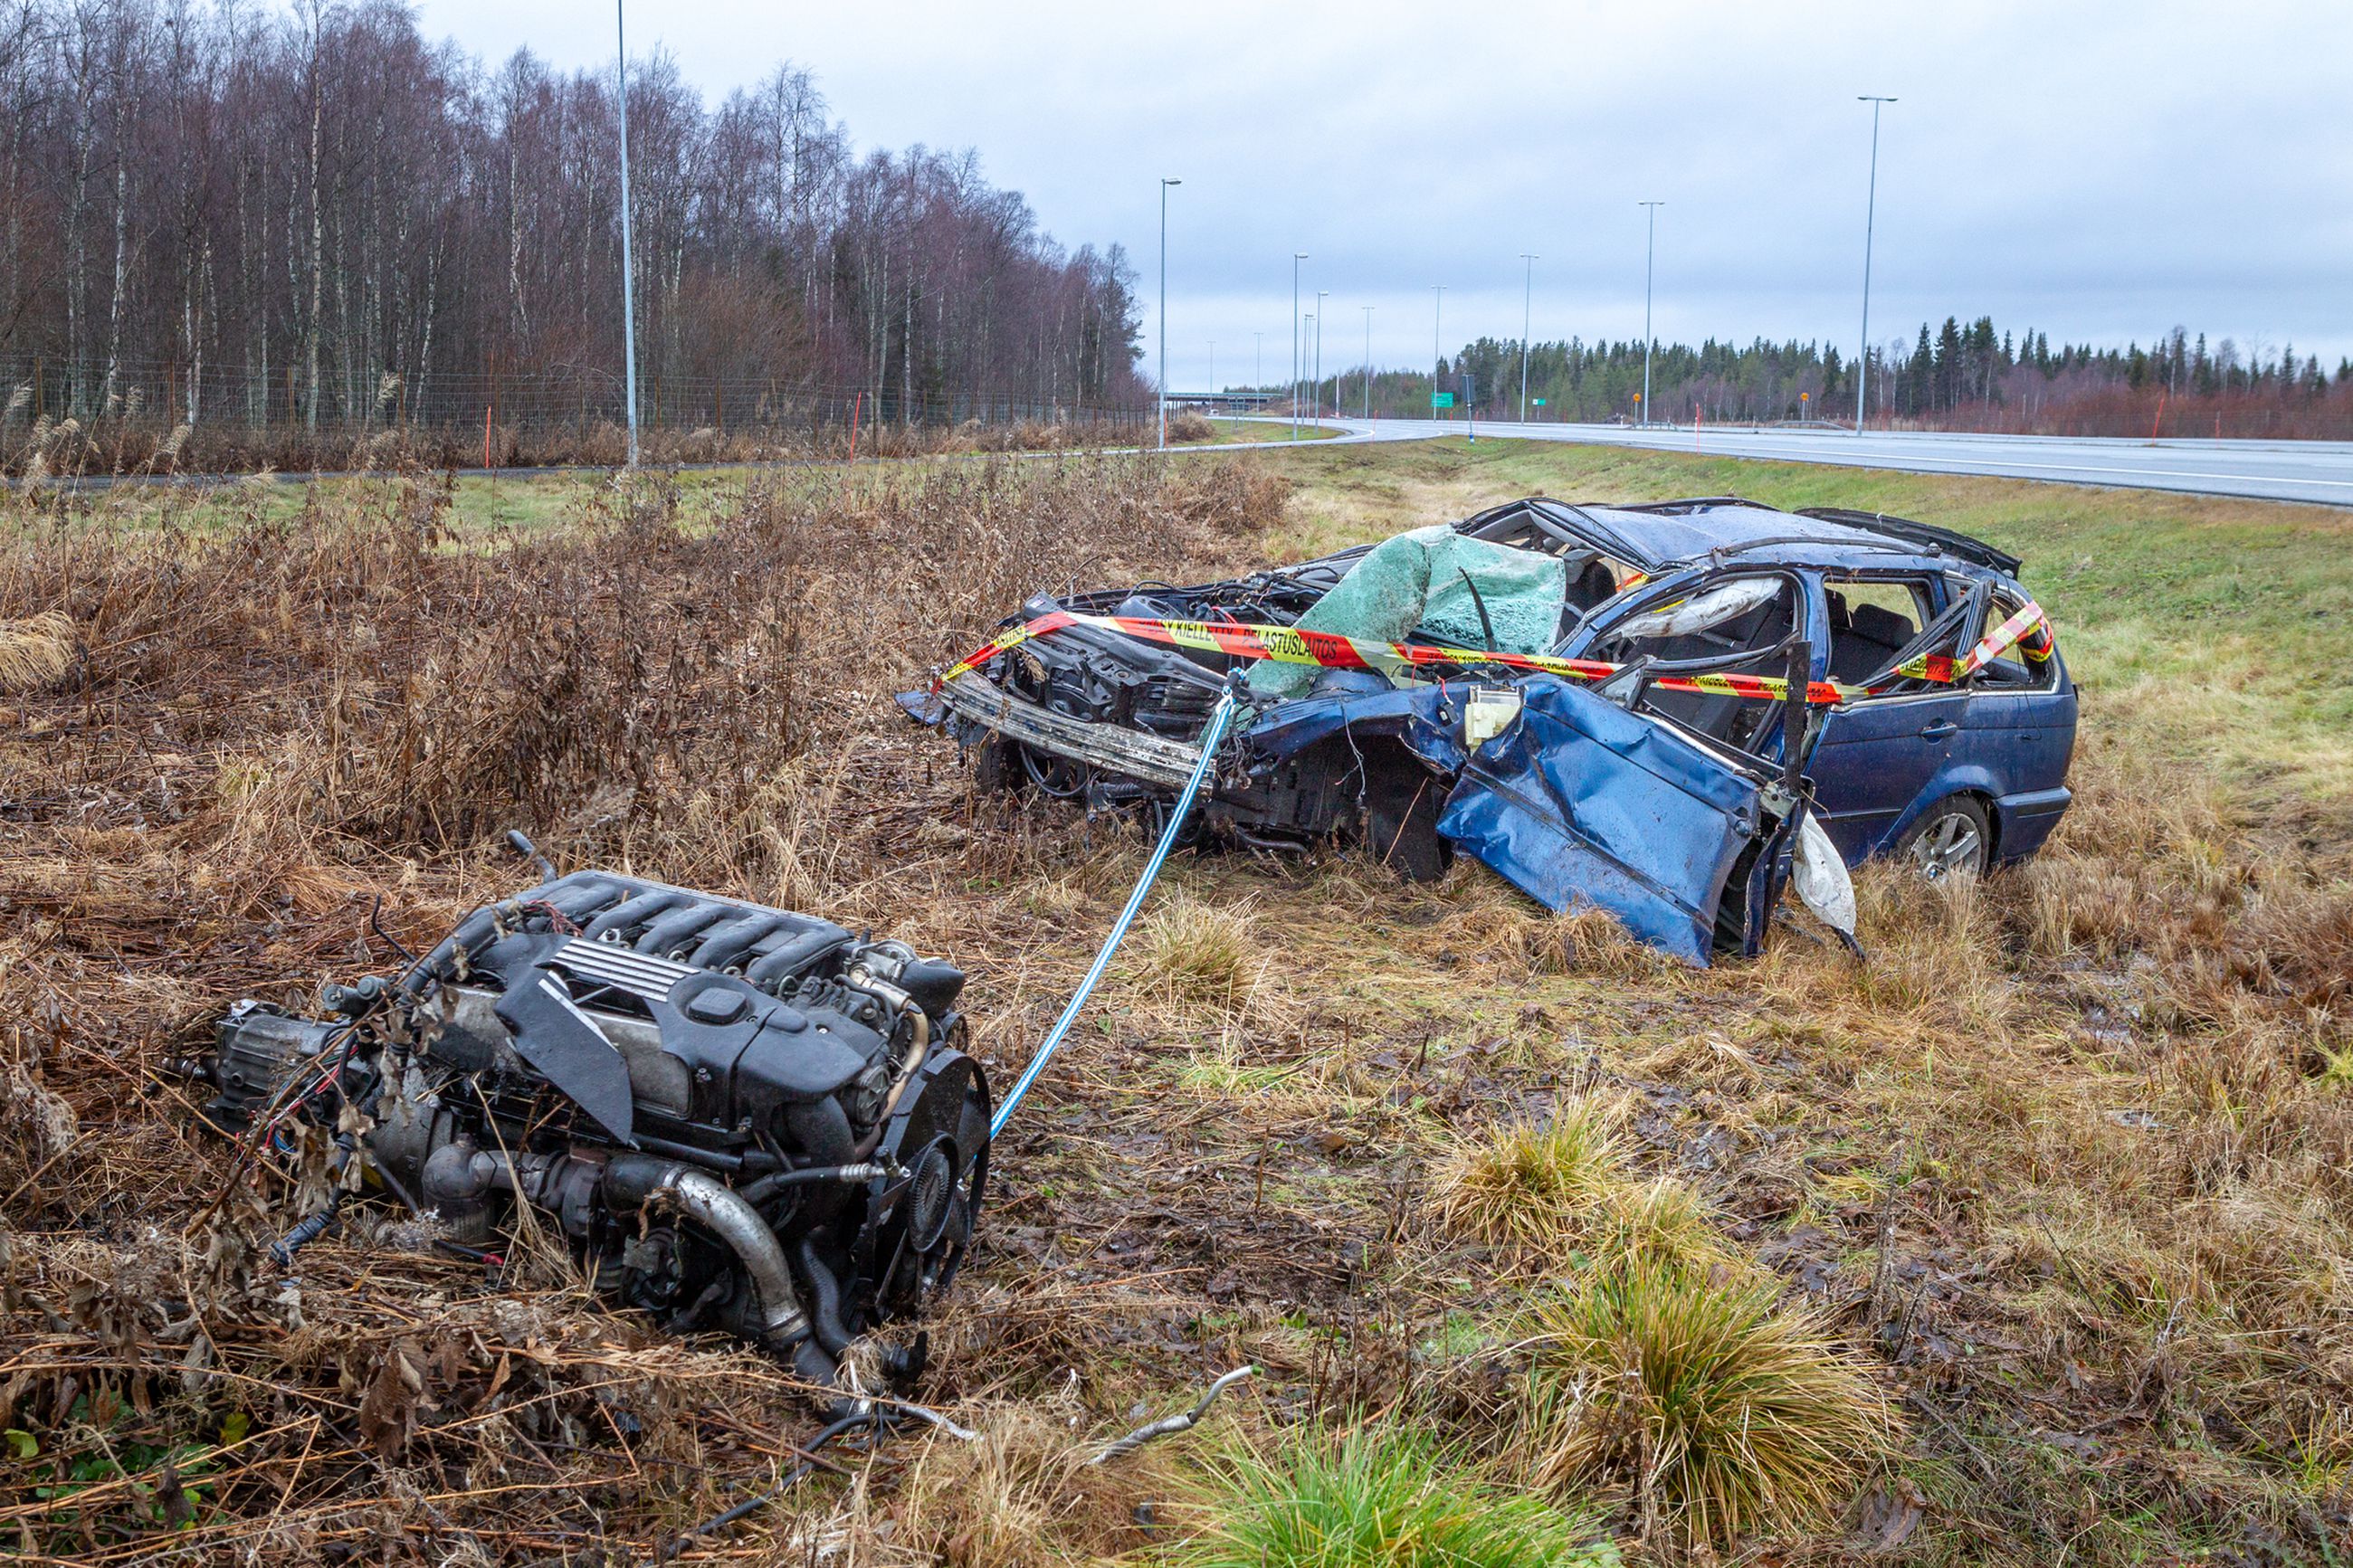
<point x="1423" y="581"/>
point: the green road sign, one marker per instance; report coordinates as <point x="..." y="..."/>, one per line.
<point x="1442" y="400"/>
<point x="1539" y="403"/>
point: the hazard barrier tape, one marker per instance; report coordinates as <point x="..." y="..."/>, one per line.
<point x="2027" y="629"/>
<point x="1331" y="650"/>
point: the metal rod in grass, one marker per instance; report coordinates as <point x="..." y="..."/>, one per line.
<point x="1169" y="1425"/>
<point x="1211" y="736"/>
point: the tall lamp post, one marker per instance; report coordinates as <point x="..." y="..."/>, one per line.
<point x="1306" y="330"/>
<point x="1368" y="361"/>
<point x="1296" y="257"/>
<point x="1649" y="254"/>
<point x="1527" y="294"/>
<point x="1321" y="295"/>
<point x="628" y="285"/>
<point x="1436" y="354"/>
<point x="1870" y="220"/>
<point x="1163" y="310"/>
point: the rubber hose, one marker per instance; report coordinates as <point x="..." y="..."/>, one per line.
<point x="825" y="1298"/>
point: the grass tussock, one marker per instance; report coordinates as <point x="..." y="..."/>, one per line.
<point x="1379" y="1495"/>
<point x="1021" y="1494"/>
<point x="1200" y="951"/>
<point x="35" y="651"/>
<point x="1720" y="1411"/>
<point x="1563" y="1195"/>
<point x="1535" y="1188"/>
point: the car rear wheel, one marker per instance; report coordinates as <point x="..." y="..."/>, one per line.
<point x="1952" y="839"/>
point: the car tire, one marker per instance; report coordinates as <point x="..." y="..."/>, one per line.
<point x="1951" y="838"/>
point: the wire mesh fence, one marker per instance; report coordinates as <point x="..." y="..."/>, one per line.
<point x="66" y="418"/>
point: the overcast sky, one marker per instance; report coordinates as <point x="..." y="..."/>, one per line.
<point x="2099" y="171"/>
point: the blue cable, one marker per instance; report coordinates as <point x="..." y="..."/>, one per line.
<point x="1211" y="736"/>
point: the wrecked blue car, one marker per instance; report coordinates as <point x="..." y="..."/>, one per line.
<point x="1659" y="711"/>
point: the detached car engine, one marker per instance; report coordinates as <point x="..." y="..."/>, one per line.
<point x="743" y="1118"/>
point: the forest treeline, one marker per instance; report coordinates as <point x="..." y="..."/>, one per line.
<point x="1961" y="376"/>
<point x="234" y="214"/>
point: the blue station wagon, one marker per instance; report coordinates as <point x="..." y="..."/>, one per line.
<point x="1638" y="707"/>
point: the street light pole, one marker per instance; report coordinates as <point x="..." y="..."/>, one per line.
<point x="1436" y="354"/>
<point x="1321" y="295"/>
<point x="1296" y="257"/>
<point x="1870" y="221"/>
<point x="629" y="284"/>
<point x="1306" y="327"/>
<point x="1649" y="254"/>
<point x="1163" y="310"/>
<point x="1368" y="361"/>
<point x="1527" y="294"/>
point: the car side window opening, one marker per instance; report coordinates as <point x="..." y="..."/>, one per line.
<point x="2012" y="670"/>
<point x="1726" y="616"/>
<point x="1872" y="619"/>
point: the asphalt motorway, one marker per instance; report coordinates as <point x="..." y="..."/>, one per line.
<point x="2314" y="471"/>
<point x="2319" y="471"/>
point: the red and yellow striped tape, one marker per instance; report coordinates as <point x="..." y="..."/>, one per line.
<point x="1330" y="650"/>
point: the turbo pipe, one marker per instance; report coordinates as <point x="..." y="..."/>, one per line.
<point x="630" y="1180"/>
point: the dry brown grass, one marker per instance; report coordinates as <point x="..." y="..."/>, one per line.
<point x="35" y="651"/>
<point x="228" y="743"/>
<point x="1200" y="951"/>
<point x="125" y="443"/>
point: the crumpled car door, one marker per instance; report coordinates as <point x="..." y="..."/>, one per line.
<point x="1579" y="803"/>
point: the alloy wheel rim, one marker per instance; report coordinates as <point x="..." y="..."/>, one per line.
<point x="1950" y="846"/>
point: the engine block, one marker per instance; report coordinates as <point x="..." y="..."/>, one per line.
<point x="743" y="1117"/>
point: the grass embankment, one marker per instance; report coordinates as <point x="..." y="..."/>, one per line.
<point x="2027" y="1240"/>
<point x="1266" y="430"/>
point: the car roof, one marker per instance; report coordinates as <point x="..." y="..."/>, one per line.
<point x="1665" y="532"/>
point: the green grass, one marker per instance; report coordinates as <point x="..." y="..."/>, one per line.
<point x="1378" y="1496"/>
<point x="1252" y="430"/>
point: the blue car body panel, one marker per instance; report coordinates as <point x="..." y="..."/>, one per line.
<point x="1878" y="764"/>
<point x="1580" y="803"/>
